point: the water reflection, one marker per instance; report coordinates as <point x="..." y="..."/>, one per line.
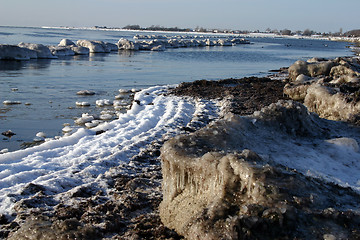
<point x="19" y="65"/>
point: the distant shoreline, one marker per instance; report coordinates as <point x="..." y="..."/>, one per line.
<point x="251" y="34"/>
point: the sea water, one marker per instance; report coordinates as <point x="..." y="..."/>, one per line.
<point x="50" y="86"/>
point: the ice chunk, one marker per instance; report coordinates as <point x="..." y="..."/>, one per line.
<point x="9" y="102"/>
<point x="85" y="92"/>
<point x="11" y="52"/>
<point x="93" y="46"/>
<point x="66" y="42"/>
<point x="62" y="51"/>
<point x="82" y="104"/>
<point x="86" y="117"/>
<point x="67" y="129"/>
<point x="215" y="186"/>
<point x="41" y="134"/>
<point x="41" y="50"/>
<point x="4" y="150"/>
<point x="103" y="102"/>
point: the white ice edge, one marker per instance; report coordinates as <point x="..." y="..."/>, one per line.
<point x="72" y="161"/>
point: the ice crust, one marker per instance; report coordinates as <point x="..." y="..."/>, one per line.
<point x="209" y="176"/>
<point x="329" y="88"/>
<point x="81" y="158"/>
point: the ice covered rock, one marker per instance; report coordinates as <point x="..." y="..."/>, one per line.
<point x="11" y="52"/>
<point x="224" y="42"/>
<point x="66" y="42"/>
<point x="330" y="104"/>
<point x="41" y="135"/>
<point x="62" y="51"/>
<point x="4" y="150"/>
<point x="41" y="50"/>
<point x="85" y="118"/>
<point x="310" y="69"/>
<point x="82" y="104"/>
<point x="79" y="50"/>
<point x="224" y="181"/>
<point x="67" y="129"/>
<point x="85" y="92"/>
<point x="335" y="95"/>
<point x="93" y="46"/>
<point x="296" y="92"/>
<point x="108" y="47"/>
<point x="158" y="48"/>
<point x="103" y="102"/>
<point x="93" y="123"/>
<point x="124" y="44"/>
<point x="106" y="116"/>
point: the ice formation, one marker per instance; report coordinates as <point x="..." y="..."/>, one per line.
<point x="85" y="118"/>
<point x="103" y="102"/>
<point x="66" y="42"/>
<point x="84" y="156"/>
<point x="40" y="50"/>
<point x="11" y="52"/>
<point x="328" y="87"/>
<point x="97" y="46"/>
<point x="244" y="177"/>
<point x="82" y="104"/>
<point x="85" y="92"/>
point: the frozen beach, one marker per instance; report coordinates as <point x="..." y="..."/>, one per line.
<point x="46" y="88"/>
<point x="107" y="181"/>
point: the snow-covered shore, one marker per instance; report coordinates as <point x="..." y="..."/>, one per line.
<point x="107" y="171"/>
<point x="80" y="159"/>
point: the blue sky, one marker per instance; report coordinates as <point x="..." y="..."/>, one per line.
<point x="318" y="15"/>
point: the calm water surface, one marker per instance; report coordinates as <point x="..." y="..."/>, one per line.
<point x="51" y="85"/>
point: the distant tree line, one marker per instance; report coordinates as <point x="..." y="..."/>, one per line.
<point x="353" y="33"/>
<point x="157" y="28"/>
<point x="285" y="32"/>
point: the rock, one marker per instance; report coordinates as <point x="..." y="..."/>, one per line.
<point x="298" y="68"/>
<point x="310" y="69"/>
<point x="124" y="44"/>
<point x="78" y="50"/>
<point x="85" y="118"/>
<point x="93" y="46"/>
<point x="85" y="92"/>
<point x="224" y="42"/>
<point x="330" y="103"/>
<point x="8" y="133"/>
<point x="62" y="51"/>
<point x="66" y="42"/>
<point x="158" y="48"/>
<point x="41" y="135"/>
<point x="296" y="92"/>
<point x="335" y="96"/>
<point x="214" y="187"/>
<point x="12" y="52"/>
<point x="209" y="42"/>
<point x="302" y="78"/>
<point x="41" y="50"/>
<point x="108" y="47"/>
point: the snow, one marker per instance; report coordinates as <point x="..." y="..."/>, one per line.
<point x="71" y="161"/>
<point x="81" y="158"/>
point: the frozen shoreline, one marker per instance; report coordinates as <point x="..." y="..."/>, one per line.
<point x="122" y="160"/>
<point x="266" y="35"/>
